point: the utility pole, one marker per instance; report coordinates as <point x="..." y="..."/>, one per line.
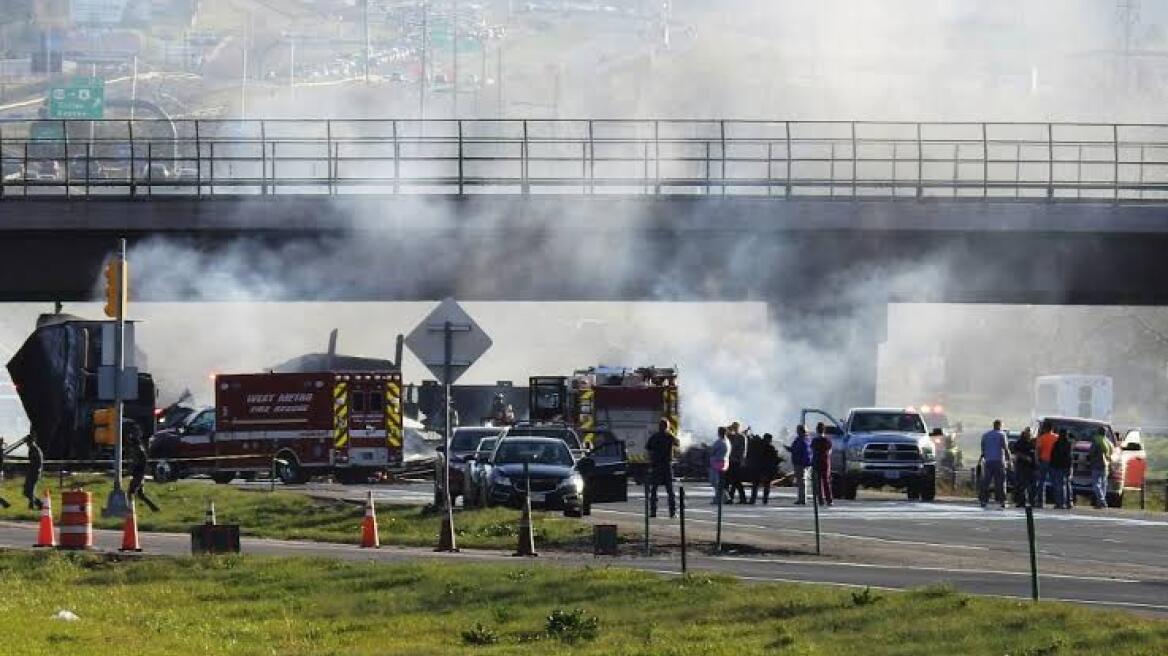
<point x="292" y="64"/>
<point x="499" y="81"/>
<point x="243" y="75"/>
<point x="1128" y="15"/>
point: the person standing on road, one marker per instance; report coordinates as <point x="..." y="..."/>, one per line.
<point x="659" y="449"/>
<point x="768" y="468"/>
<point x="800" y="450"/>
<point x="1099" y="458"/>
<point x="1024" y="469"/>
<point x="995" y="454"/>
<point x="1060" y="469"/>
<point x="1042" y="450"/>
<point x="138" y="459"/>
<point x="32" y="475"/>
<point x="753" y="467"/>
<point x="821" y="464"/>
<point x="719" y="463"/>
<point x="737" y="471"/>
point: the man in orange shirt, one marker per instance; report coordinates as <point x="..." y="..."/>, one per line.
<point x="1043" y="448"/>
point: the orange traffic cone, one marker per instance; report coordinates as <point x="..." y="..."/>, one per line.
<point x="130" y="530"/>
<point x="369" y="535"/>
<point x="45" y="536"/>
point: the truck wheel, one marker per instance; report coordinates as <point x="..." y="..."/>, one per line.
<point x="913" y="490"/>
<point x="929" y="488"/>
<point x="850" y="488"/>
<point x="836" y="487"/>
<point x="290" y="472"/>
<point x="1115" y="499"/>
<point x="223" y="478"/>
<point x="164" y="472"/>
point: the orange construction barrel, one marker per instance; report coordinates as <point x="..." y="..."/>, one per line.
<point x="76" y="520"/>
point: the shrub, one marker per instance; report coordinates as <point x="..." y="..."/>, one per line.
<point x="571" y="626"/>
<point x="479" y="634"/>
<point x="865" y="597"/>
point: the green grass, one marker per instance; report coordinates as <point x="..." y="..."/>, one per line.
<point x="253" y="605"/>
<point x="295" y="516"/>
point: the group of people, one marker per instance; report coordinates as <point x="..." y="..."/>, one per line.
<point x="739" y="457"/>
<point x="1042" y="467"/>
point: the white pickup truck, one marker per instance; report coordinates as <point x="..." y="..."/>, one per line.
<point x="879" y="447"/>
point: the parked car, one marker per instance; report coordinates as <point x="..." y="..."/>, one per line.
<point x="475" y="470"/>
<point x="540" y="466"/>
<point x="558" y="431"/>
<point x="463" y="443"/>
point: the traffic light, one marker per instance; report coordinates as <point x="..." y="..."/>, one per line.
<point x="103" y="426"/>
<point x="116" y="289"/>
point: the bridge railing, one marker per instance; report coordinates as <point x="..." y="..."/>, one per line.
<point x="1053" y="161"/>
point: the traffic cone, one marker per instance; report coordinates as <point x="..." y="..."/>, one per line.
<point x="526" y="534"/>
<point x="369" y="535"/>
<point x="46" y="536"/>
<point x="130" y="530"/>
<point x="209" y="517"/>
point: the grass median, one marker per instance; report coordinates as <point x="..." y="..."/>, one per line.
<point x="252" y="605"/>
<point x="291" y="515"/>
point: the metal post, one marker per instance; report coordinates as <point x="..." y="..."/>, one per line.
<point x="116" y="505"/>
<point x="648" y="483"/>
<point x="396" y="160"/>
<point x="523" y="159"/>
<point x="1033" y="552"/>
<point x="591" y="158"/>
<point x="1115" y="153"/>
<point x="460" y="163"/>
<point x="985" y="163"/>
<point x="1050" y="160"/>
<point x="198" y="162"/>
<point x="133" y="178"/>
<point x="790" y="161"/>
<point x="448" y="372"/>
<point x="657" y="156"/>
<point x="1144" y="494"/>
<point x="815" y="507"/>
<point x="770" y="167"/>
<point x="328" y="154"/>
<point x="855" y="158"/>
<point x="722" y="125"/>
<point x="681" y="509"/>
<point x="422" y="62"/>
<point x="920" y="163"/>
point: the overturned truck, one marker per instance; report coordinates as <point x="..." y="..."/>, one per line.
<point x="55" y="373"/>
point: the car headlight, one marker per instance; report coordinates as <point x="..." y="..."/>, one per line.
<point x="575" y="482"/>
<point x="855" y="452"/>
<point x="927" y="447"/>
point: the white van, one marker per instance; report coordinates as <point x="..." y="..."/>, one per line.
<point x="1073" y="395"/>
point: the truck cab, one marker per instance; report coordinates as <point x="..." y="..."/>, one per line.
<point x="878" y="448"/>
<point x="1128" y="465"/>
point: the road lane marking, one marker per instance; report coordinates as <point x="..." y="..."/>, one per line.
<point x="954" y="570"/>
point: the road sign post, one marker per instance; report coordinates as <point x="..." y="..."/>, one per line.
<point x="448" y="342"/>
<point x="117" y="505"/>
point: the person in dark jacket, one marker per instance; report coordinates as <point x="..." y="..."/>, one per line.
<point x="1060" y="466"/>
<point x="32" y="476"/>
<point x="659" y="450"/>
<point x="137" y="452"/>
<point x="1024" y="469"/>
<point x="821" y="465"/>
<point x="766" y="468"/>
<point x="737" y="472"/>
<point x="800" y="450"/>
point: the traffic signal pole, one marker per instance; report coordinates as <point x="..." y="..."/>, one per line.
<point x="116" y="505"/>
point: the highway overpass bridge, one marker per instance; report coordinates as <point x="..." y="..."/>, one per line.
<point x="826" y="222"/>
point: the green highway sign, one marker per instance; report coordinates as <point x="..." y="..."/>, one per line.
<point x="81" y="98"/>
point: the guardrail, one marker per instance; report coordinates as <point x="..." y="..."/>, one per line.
<point x="784" y="159"/>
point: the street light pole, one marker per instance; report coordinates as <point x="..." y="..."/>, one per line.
<point x="422" y="74"/>
<point x="368" y="49"/>
<point x="455" y="47"/>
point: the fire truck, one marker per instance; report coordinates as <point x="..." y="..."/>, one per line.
<point x="299" y="425"/>
<point x="607" y="403"/>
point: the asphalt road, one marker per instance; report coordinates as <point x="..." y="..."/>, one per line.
<point x="1099" y="557"/>
<point x="1149" y="597"/>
